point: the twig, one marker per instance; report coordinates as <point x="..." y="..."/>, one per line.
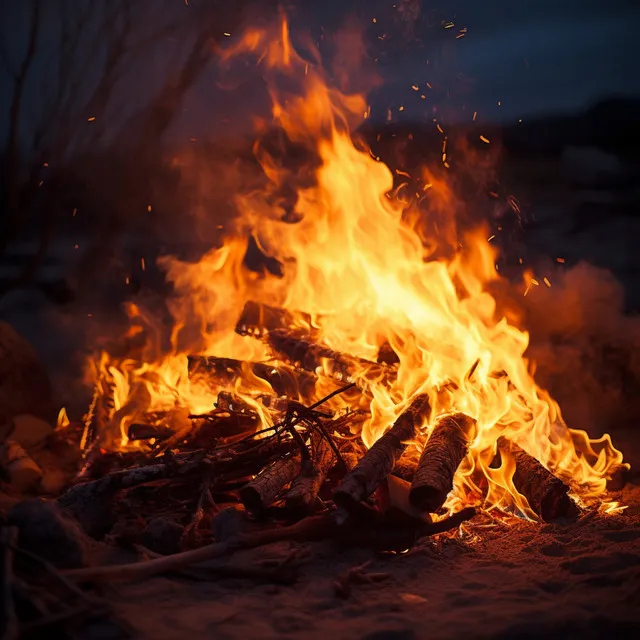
<point x="311" y="528"/>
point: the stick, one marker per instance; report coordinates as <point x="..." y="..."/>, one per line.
<point x="263" y="491"/>
<point x="311" y="528"/>
<point x="379" y="461"/>
<point x="307" y="530"/>
<point x="8" y="617"/>
<point x="546" y="494"/>
<point x="446" y="447"/>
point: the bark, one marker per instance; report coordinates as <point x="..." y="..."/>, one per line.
<point x="444" y="451"/>
<point x="263" y="491"/>
<point x="306" y="486"/>
<point x="380" y="460"/>
<point x="546" y="494"/>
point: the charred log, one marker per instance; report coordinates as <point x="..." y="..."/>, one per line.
<point x="444" y="451"/>
<point x="259" y="319"/>
<point x="100" y="411"/>
<point x="305" y="487"/>
<point x="265" y="488"/>
<point x="546" y="494"/>
<point x="302" y="351"/>
<point x="380" y="460"/>
<point x="284" y="380"/>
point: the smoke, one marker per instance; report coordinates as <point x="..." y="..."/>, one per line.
<point x="586" y="350"/>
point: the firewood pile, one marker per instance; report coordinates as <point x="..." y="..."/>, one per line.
<point x="228" y="483"/>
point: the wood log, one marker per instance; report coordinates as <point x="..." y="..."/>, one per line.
<point x="378" y="462"/>
<point x="443" y="452"/>
<point x="305" y="487"/>
<point x="100" y="412"/>
<point x="303" y="351"/>
<point x="546" y="494"/>
<point x="285" y="380"/>
<point x="259" y="319"/>
<point x="265" y="488"/>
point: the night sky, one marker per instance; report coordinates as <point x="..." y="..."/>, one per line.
<point x="517" y="59"/>
<point x="505" y="59"/>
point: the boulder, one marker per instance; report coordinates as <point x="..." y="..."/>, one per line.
<point x="25" y="387"/>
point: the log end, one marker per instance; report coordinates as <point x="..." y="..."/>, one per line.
<point x="427" y="498"/>
<point x="251" y="498"/>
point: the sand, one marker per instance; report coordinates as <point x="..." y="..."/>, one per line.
<point x="490" y="580"/>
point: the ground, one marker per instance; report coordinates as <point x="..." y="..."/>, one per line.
<point x="523" y="580"/>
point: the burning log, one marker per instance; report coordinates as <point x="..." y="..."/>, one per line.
<point x="304" y="352"/>
<point x="284" y="380"/>
<point x="546" y="494"/>
<point x="305" y="487"/>
<point x="259" y="319"/>
<point x="100" y="411"/>
<point x="444" y="451"/>
<point x="379" y="461"/>
<point x="265" y="488"/>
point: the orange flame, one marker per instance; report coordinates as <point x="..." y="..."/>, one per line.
<point x="361" y="264"/>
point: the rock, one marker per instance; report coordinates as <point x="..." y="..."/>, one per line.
<point x="29" y="431"/>
<point x="23" y="472"/>
<point x="162" y="536"/>
<point x="24" y="384"/>
<point x="46" y="531"/>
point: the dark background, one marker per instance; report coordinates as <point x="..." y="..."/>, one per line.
<point x="118" y="128"/>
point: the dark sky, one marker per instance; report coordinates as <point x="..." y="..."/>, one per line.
<point x="531" y="56"/>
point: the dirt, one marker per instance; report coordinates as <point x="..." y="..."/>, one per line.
<point x="489" y="580"/>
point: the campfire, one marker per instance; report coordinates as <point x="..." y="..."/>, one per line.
<point x="365" y="374"/>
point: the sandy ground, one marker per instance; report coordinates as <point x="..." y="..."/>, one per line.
<point x="579" y="580"/>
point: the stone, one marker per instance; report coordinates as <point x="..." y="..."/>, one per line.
<point x="46" y="531"/>
<point x="162" y="536"/>
<point x="25" y="386"/>
<point x="29" y="431"/>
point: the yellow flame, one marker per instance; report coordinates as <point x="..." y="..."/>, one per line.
<point x="361" y="263"/>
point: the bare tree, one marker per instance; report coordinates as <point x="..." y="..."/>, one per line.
<point x="72" y="73"/>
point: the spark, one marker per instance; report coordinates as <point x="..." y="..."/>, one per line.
<point x="485" y="140"/>
<point x="490" y="238"/>
<point x="142" y="264"/>
<point x="91" y="119"/>
<point x="560" y="260"/>
<point x="475" y="115"/>
<point x="546" y="281"/>
<point x="415" y="87"/>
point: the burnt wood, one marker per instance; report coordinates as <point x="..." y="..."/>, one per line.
<point x="443" y="452"/>
<point x="378" y="462"/>
<point x="266" y="487"/>
<point x="547" y="495"/>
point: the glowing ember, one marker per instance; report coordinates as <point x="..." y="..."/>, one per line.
<point x="361" y="276"/>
